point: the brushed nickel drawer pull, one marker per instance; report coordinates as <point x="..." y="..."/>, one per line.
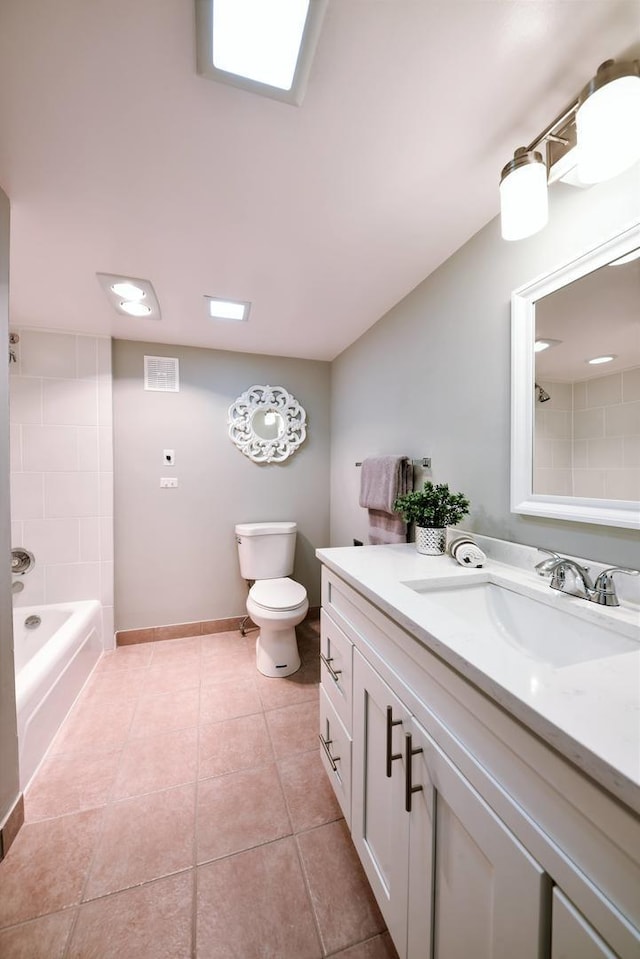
<point x="391" y="722"/>
<point x="334" y="673"/>
<point x="410" y="789"/>
<point x="325" y="745"/>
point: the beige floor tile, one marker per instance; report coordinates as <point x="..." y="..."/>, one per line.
<point x="232" y="664"/>
<point x="380" y="947"/>
<point x="294" y="729"/>
<point x="342" y="899"/>
<point x="234" y="744"/>
<point x="157" y="762"/>
<point x="43" y="938"/>
<point x="150" y="922"/>
<point x="228" y="700"/>
<point x="173" y="652"/>
<point x="114" y="685"/>
<point x="307" y="791"/>
<point x="70" y="783"/>
<point x="239" y="811"/>
<point x="254" y="906"/>
<point x="45" y="868"/>
<point x="297" y="688"/>
<point x="165" y="712"/>
<point x="94" y="727"/>
<point x="168" y="678"/>
<point x="143" y="838"/>
<point x="125" y="657"/>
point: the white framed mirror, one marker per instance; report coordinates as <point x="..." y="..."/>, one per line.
<point x="267" y="424"/>
<point x="575" y="425"/>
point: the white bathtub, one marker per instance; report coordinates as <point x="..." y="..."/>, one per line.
<point x="52" y="663"/>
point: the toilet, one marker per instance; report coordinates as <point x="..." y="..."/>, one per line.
<point x="276" y="603"/>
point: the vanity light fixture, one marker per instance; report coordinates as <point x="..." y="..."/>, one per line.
<point x="602" y="126"/>
<point x="130" y="296"/>
<point x="596" y="360"/>
<point x="232" y="311"/>
<point x="544" y="343"/>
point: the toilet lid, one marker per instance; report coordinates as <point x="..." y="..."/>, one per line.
<point x="278" y="593"/>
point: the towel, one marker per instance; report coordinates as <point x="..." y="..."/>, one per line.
<point x="383" y="479"/>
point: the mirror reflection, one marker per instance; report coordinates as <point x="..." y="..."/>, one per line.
<point x="587" y="385"/>
<point x="267" y="424"/>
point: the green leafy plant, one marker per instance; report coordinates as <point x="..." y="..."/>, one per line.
<point x="434" y="506"/>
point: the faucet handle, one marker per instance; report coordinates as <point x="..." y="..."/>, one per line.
<point x="544" y="566"/>
<point x="604" y="590"/>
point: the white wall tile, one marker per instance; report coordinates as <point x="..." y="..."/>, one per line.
<point x="17" y="527"/>
<point x="588" y="424"/>
<point x="623" y="484"/>
<point x="604" y="390"/>
<point x="89" y="539"/>
<point x="72" y="581"/>
<point x="104" y="355"/>
<point x="108" y="628"/>
<point x="47" y="354"/>
<point x="49" y="448"/>
<point x="561" y="395"/>
<point x="33" y="592"/>
<point x="87" y="356"/>
<point x="580" y="395"/>
<point x="552" y="482"/>
<point x="88" y="453"/>
<point x="580" y="448"/>
<point x="562" y="454"/>
<point x="631" y="451"/>
<point x="557" y="424"/>
<point x="631" y="385"/>
<point x="15" y="446"/>
<point x="71" y="402"/>
<point x="105" y="441"/>
<point x="106" y="584"/>
<point x="105" y="400"/>
<point x="588" y="483"/>
<point x="106" y="538"/>
<point x="25" y="399"/>
<point x="543" y="453"/>
<point x="623" y="420"/>
<point x="53" y="540"/>
<point x="106" y="494"/>
<point x="606" y="452"/>
<point x="27" y="496"/>
<point x="71" y="494"/>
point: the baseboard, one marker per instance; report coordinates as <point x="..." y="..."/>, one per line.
<point x="12" y="826"/>
<point x="154" y="634"/>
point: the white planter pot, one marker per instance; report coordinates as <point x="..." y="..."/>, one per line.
<point x="431" y="541"/>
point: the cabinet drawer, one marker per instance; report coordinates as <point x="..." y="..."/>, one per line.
<point x="336" y="659"/>
<point x="335" y="752"/>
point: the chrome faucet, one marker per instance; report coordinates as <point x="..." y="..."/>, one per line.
<point x="602" y="592"/>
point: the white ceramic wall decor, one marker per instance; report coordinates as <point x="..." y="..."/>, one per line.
<point x="267" y="424"/>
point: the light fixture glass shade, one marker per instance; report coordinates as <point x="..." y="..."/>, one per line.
<point x="524" y="203"/>
<point x="135" y="308"/>
<point x="608" y="125"/>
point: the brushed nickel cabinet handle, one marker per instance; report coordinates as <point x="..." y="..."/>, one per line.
<point x="391" y="756"/>
<point x="334" y="673"/>
<point x="409" y="788"/>
<point x="326" y="743"/>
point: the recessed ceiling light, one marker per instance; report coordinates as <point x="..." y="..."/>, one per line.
<point x="135" y="308"/>
<point x="128" y="291"/>
<point x="234" y="311"/>
<point x="596" y="360"/>
<point x="126" y="295"/>
<point x="544" y="343"/>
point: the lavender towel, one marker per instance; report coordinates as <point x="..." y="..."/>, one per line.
<point x="383" y="479"/>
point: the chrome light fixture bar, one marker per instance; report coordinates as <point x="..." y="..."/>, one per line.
<point x="130" y="296"/>
<point x="602" y="124"/>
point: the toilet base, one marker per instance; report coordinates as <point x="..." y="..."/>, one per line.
<point x="277" y="652"/>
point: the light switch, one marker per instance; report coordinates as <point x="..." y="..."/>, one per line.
<point x="168" y="482"/>
<point x="169" y="457"/>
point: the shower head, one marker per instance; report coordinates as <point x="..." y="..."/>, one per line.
<point x="541" y="395"/>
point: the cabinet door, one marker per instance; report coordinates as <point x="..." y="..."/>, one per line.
<point x="474" y="889"/>
<point x="379" y="825"/>
<point x="572" y="937"/>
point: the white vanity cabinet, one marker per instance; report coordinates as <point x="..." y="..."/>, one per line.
<point x="477" y="839"/>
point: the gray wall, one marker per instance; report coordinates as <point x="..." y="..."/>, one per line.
<point x="175" y="551"/>
<point x="9" y="782"/>
<point x="432" y="377"/>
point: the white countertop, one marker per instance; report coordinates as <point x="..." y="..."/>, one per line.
<point x="588" y="711"/>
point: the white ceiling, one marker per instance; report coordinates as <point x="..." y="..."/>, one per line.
<point x="118" y="158"/>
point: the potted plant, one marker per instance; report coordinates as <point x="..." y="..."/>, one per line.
<point x="432" y="509"/>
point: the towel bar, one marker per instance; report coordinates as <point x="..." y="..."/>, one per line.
<point x="424" y="463"/>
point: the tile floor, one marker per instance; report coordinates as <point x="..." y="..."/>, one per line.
<point x="183" y="811"/>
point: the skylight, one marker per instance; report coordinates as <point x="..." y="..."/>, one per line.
<point x="233" y="310"/>
<point x="259" y="39"/>
<point x="263" y="46"/>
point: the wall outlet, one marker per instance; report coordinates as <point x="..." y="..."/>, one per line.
<point x="168" y="482"/>
<point x="169" y="457"/>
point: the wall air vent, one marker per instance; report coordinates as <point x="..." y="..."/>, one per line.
<point x="161" y="374"/>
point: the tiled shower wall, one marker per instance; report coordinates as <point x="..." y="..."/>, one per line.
<point x="62" y="468"/>
<point x="588" y="438"/>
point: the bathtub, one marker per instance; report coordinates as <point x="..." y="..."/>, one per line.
<point x="52" y="663"/>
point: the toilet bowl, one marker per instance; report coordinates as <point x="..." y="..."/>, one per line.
<point x="276" y="603"/>
<point x="276" y="606"/>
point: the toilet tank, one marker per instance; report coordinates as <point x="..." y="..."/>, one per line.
<point x="266" y="550"/>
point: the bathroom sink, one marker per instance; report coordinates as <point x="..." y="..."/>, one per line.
<point x="540" y="630"/>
